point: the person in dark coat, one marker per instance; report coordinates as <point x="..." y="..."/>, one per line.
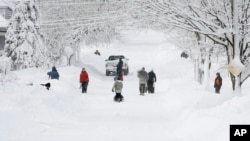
<point x="119" y="69"/>
<point x="84" y="80"/>
<point x="151" y="81"/>
<point x="217" y="83"/>
<point x="53" y="74"/>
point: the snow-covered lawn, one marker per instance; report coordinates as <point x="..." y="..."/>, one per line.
<point x="180" y="110"/>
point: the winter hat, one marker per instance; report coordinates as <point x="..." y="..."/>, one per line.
<point x="54" y="68"/>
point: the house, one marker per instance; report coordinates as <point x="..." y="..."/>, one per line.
<point x="3" y="30"/>
<point x="5" y="11"/>
<point x="5" y="15"/>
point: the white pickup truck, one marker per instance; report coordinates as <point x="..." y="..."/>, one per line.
<point x="111" y="64"/>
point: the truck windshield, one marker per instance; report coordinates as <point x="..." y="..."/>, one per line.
<point x="116" y="57"/>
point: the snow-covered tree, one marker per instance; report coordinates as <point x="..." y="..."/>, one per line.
<point x="23" y="41"/>
<point x="224" y="22"/>
<point x="69" y="23"/>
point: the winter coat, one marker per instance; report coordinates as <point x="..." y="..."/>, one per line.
<point x="119" y="67"/>
<point x="218" y="82"/>
<point x="143" y="76"/>
<point x="53" y="74"/>
<point x="117" y="87"/>
<point x="84" y="77"/>
<point x="151" y="76"/>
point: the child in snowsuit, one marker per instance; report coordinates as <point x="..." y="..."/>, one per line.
<point x="84" y="80"/>
<point x="117" y="88"/>
<point x="217" y="83"/>
<point x="53" y="74"/>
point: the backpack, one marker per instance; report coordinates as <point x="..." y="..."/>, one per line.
<point x="217" y="82"/>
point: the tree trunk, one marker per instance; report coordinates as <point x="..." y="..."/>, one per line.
<point x="236" y="48"/>
<point x="206" y="69"/>
<point x="233" y="80"/>
<point x="196" y="70"/>
<point x="237" y="90"/>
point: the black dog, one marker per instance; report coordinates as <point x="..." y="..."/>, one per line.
<point x="47" y="85"/>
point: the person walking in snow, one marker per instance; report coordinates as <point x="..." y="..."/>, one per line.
<point x="117" y="88"/>
<point x="84" y="80"/>
<point x="217" y="83"/>
<point x="119" y="69"/>
<point x="143" y="78"/>
<point x="54" y="73"/>
<point x="151" y="81"/>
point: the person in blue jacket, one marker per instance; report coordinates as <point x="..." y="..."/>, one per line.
<point x="53" y="74"/>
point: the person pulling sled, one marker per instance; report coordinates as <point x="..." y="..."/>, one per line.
<point x="117" y="88"/>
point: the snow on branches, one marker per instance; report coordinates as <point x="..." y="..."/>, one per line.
<point x="224" y="22"/>
<point x="23" y="40"/>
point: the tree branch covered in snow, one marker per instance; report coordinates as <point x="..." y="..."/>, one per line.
<point x="221" y="21"/>
<point x="69" y="23"/>
<point x="23" y="41"/>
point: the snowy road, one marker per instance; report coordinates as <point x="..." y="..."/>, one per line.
<point x="180" y="110"/>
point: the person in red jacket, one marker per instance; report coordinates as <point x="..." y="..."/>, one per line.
<point x="217" y="83"/>
<point x="84" y="80"/>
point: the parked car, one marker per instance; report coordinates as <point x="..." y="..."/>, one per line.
<point x="111" y="64"/>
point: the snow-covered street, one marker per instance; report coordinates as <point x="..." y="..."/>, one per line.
<point x="180" y="109"/>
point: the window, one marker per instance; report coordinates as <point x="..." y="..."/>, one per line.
<point x="2" y="40"/>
